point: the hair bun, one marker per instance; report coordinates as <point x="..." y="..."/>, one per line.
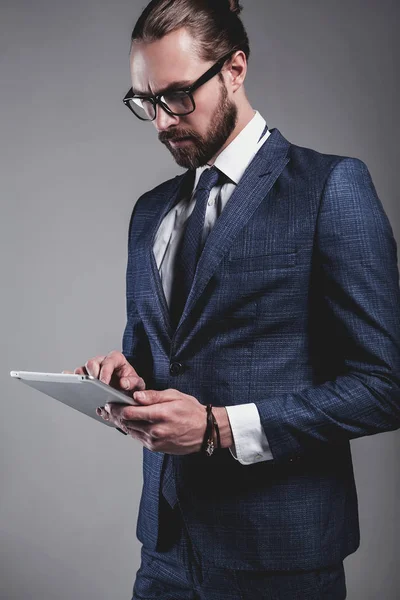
<point x="235" y="7"/>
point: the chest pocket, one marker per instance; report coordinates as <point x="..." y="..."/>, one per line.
<point x="254" y="255"/>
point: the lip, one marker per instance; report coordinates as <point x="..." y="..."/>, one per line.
<point x="180" y="141"/>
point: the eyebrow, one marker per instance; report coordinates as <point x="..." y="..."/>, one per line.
<point x="172" y="87"/>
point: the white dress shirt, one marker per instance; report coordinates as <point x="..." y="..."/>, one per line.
<point x="250" y="442"/>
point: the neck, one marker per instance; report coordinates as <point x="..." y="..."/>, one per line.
<point x="245" y="115"/>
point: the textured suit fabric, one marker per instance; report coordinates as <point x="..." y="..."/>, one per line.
<point x="179" y="574"/>
<point x="295" y="306"/>
<point x="167" y="479"/>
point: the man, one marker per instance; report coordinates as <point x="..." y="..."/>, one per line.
<point x="263" y="282"/>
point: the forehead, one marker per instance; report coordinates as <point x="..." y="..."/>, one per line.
<point x="173" y="58"/>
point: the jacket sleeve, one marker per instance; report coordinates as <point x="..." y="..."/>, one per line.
<point x="135" y="344"/>
<point x="357" y="268"/>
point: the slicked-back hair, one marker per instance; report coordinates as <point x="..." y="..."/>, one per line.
<point x="215" y="25"/>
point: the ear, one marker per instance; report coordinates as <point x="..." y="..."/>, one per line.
<point x="236" y="70"/>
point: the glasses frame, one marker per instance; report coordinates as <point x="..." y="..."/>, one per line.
<point x="157" y="99"/>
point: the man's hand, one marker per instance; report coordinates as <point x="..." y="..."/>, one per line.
<point x="167" y="421"/>
<point x="114" y="370"/>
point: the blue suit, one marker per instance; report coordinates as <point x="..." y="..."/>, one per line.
<point x="296" y="307"/>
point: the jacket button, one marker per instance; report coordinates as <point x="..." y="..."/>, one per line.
<point x="175" y="368"/>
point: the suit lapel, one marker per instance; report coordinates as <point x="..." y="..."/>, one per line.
<point x="157" y="309"/>
<point x="252" y="189"/>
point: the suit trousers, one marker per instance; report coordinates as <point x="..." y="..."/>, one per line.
<point x="178" y="572"/>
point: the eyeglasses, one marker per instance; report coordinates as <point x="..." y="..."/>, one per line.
<point x="174" y="102"/>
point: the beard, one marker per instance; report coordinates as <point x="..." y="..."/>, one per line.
<point x="203" y="148"/>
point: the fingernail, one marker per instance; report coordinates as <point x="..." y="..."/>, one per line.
<point x="125" y="383"/>
<point x="107" y="408"/>
<point x="140" y="395"/>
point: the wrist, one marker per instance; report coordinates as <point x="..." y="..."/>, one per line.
<point x="225" y="430"/>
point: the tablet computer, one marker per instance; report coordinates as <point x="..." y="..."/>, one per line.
<point x="81" y="392"/>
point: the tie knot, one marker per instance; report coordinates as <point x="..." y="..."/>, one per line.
<point x="208" y="179"/>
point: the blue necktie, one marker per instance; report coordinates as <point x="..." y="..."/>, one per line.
<point x="190" y="248"/>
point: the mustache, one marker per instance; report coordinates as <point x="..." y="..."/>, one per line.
<point x="167" y="136"/>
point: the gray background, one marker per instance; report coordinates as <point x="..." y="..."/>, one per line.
<point x="73" y="162"/>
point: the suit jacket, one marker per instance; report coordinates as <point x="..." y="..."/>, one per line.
<point x="295" y="306"/>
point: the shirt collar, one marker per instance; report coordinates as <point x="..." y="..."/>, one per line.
<point x="235" y="158"/>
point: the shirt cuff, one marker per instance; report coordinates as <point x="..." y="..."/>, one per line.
<point x="250" y="442"/>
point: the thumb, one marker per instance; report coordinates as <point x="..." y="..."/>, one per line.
<point x="153" y="396"/>
<point x="132" y="383"/>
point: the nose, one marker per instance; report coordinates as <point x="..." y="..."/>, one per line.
<point x="164" y="120"/>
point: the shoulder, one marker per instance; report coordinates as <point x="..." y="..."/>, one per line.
<point x="343" y="181"/>
<point x="308" y="163"/>
<point x="339" y="184"/>
<point x="158" y="194"/>
<point x="309" y="168"/>
<point x="150" y="203"/>
<point x="311" y="171"/>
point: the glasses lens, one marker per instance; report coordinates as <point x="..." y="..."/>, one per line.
<point x="180" y="103"/>
<point x="144" y="109"/>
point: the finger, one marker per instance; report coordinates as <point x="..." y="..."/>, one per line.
<point x="142" y="427"/>
<point x="114" y="409"/>
<point x="103" y="413"/>
<point x="121" y="430"/>
<point x="81" y="371"/>
<point x="106" y="416"/>
<point x="137" y="435"/>
<point x="154" y="396"/>
<point x="132" y="383"/>
<point x="78" y="371"/>
<point x="132" y="413"/>
<point x="124" y="376"/>
<point x="92" y="366"/>
<point x="111" y="363"/>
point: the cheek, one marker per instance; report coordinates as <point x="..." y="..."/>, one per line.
<point x="201" y="119"/>
<point x="208" y="104"/>
<point x="207" y="101"/>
